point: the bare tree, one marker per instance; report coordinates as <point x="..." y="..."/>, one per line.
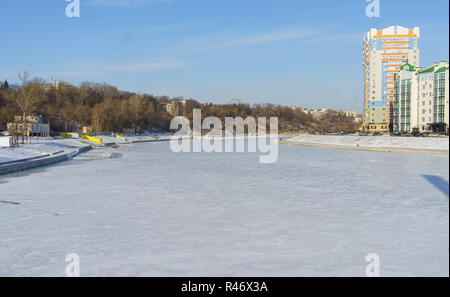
<point x="28" y="98"/>
<point x="137" y="105"/>
<point x="83" y="93"/>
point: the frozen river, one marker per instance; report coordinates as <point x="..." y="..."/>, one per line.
<point x="151" y="212"/>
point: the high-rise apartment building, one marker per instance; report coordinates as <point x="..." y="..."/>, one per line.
<point x="384" y="52"/>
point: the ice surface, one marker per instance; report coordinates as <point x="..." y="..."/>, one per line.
<point x="316" y="212"/>
<point x="440" y="143"/>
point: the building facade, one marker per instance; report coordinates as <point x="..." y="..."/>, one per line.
<point x="349" y="113"/>
<point x="421" y="99"/>
<point x="29" y="126"/>
<point x="175" y="107"/>
<point x="316" y="112"/>
<point x="384" y="52"/>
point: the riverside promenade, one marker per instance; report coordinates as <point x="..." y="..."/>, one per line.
<point x="51" y="150"/>
<point x="48" y="152"/>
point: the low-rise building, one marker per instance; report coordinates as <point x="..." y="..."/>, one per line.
<point x="29" y="126"/>
<point x="6" y="141"/>
<point x="421" y="99"/>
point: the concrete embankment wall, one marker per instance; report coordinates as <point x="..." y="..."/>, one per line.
<point x="22" y="165"/>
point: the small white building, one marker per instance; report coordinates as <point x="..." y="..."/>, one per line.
<point x="6" y="141"/>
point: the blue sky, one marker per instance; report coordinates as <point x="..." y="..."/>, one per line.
<point x="289" y="52"/>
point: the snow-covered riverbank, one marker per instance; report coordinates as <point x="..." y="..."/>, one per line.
<point x="43" y="152"/>
<point x="439" y="145"/>
<point x="39" y="148"/>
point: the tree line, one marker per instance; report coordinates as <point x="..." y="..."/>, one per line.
<point x="105" y="108"/>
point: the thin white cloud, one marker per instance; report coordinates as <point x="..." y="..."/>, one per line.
<point x="350" y="38"/>
<point x="89" y="71"/>
<point x="153" y="66"/>
<point x="125" y="3"/>
<point x="70" y="74"/>
<point x="231" y="39"/>
<point x="290" y="33"/>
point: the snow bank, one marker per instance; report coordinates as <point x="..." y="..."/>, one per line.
<point x="130" y="138"/>
<point x="435" y="143"/>
<point x="13" y="154"/>
<point x="48" y="146"/>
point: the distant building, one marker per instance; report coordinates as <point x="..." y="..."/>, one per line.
<point x="316" y="112"/>
<point x="358" y="119"/>
<point x="175" y="107"/>
<point x="87" y="129"/>
<point x="56" y="85"/>
<point x="384" y="52"/>
<point x="349" y="113"/>
<point x="31" y="126"/>
<point x="422" y="99"/>
<point x="352" y="113"/>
